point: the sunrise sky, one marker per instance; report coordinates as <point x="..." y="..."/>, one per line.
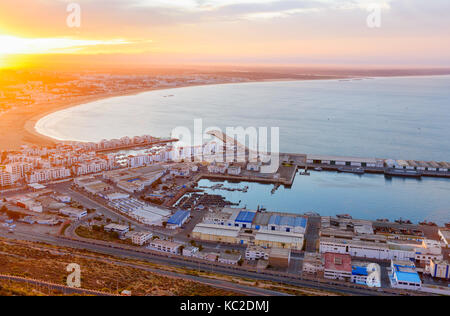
<point x="329" y="32"/>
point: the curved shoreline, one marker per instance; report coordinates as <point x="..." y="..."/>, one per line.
<point x="20" y="123"/>
<point x="30" y="124"/>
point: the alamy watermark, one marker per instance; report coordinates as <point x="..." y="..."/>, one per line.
<point x="74" y="18"/>
<point x="374" y="18"/>
<point x="74" y="278"/>
<point x="235" y="144"/>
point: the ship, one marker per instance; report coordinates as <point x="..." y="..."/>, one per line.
<point x="402" y="173"/>
<point x="344" y="216"/>
<point x="357" y="170"/>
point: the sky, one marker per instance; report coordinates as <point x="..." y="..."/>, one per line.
<point x="257" y="32"/>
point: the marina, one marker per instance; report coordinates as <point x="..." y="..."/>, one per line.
<point x="370" y="196"/>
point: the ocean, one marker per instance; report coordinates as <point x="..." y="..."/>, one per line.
<point x="397" y="117"/>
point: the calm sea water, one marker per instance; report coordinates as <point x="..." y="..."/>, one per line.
<point x="401" y="118"/>
<point x="368" y="196"/>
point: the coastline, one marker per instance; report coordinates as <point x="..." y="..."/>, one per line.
<point x="26" y="134"/>
<point x="18" y="124"/>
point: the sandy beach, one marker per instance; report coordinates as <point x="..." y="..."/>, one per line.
<point x="17" y="125"/>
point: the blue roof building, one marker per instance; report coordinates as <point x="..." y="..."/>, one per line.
<point x="178" y="219"/>
<point x="287" y="223"/>
<point x="244" y="219"/>
<point x="361" y="272"/>
<point x="404" y="275"/>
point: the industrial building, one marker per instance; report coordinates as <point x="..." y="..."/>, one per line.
<point x="73" y="212"/>
<point x="216" y="233"/>
<point x="344" y="161"/>
<point x="367" y="249"/>
<point x="178" y="219"/>
<point x="287" y="223"/>
<point x="278" y="239"/>
<point x="403" y="275"/>
<point x="120" y="229"/>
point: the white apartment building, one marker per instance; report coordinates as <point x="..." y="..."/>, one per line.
<point x="255" y="253"/>
<point x="141" y="238"/>
<point x="165" y="246"/>
<point x="190" y="251"/>
<point x="6" y="179"/>
<point x="18" y="169"/>
<point x="312" y="263"/>
<point x="43" y="175"/>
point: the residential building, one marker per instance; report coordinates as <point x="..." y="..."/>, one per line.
<point x="165" y="246"/>
<point x="439" y="269"/>
<point x="141" y="238"/>
<point x="256" y="252"/>
<point x="337" y="266"/>
<point x="313" y="263"/>
<point x="190" y="251"/>
<point x="229" y="258"/>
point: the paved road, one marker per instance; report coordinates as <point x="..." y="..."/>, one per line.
<point x="183" y="263"/>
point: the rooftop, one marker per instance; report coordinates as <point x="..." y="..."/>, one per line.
<point x="245" y="217"/>
<point x="178" y="217"/>
<point x="293" y="221"/>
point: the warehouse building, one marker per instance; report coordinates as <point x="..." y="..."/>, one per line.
<point x="278" y="239"/>
<point x="344" y="161"/>
<point x="73" y="212"/>
<point x="216" y="233"/>
<point x="120" y="229"/>
<point x="178" y="219"/>
<point x="365" y="249"/>
<point x="287" y="223"/>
